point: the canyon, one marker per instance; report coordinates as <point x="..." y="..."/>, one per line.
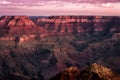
<point x="38" y="48"/>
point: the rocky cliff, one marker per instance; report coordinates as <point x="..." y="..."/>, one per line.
<point x="79" y="24"/>
<point x="19" y="25"/>
<point x="92" y="72"/>
<point x="22" y="27"/>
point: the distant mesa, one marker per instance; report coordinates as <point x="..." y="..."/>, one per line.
<point x="19" y="26"/>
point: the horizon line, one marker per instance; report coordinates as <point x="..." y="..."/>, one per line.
<point x="55" y="15"/>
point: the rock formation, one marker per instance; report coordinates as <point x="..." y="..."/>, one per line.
<point x="92" y="72"/>
<point x="19" y="26"/>
<point x="79" y="24"/>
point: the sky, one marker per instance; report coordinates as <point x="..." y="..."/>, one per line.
<point x="60" y="7"/>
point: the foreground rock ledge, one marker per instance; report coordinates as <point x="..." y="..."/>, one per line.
<point x="93" y="72"/>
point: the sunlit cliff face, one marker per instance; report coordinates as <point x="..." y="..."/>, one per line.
<point x="60" y="7"/>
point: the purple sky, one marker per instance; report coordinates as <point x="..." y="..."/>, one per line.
<point x="60" y="7"/>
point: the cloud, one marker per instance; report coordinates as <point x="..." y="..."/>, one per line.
<point x="5" y="2"/>
<point x="49" y="7"/>
<point x="73" y="1"/>
<point x="56" y="3"/>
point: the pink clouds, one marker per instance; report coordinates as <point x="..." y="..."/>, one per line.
<point x="59" y="7"/>
<point x="87" y="1"/>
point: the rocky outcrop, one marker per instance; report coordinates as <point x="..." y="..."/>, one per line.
<point x="93" y="72"/>
<point x="16" y="21"/>
<point x="20" y="25"/>
<point x="100" y="70"/>
<point x="19" y="21"/>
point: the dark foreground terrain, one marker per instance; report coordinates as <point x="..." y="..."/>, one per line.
<point x="92" y="72"/>
<point x="38" y="48"/>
